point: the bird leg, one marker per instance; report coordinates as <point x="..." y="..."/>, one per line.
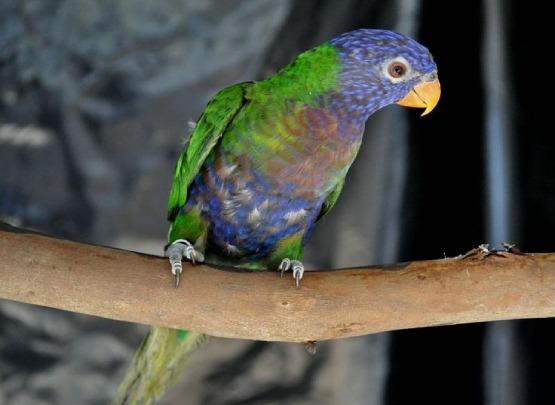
<point x="178" y="250"/>
<point x="295" y="266"/>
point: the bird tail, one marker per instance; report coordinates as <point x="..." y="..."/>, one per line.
<point x="157" y="364"/>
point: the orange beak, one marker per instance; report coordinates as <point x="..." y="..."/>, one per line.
<point x="424" y="95"/>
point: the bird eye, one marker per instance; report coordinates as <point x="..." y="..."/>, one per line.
<point x="397" y="69"/>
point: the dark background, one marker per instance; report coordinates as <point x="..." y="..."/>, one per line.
<point x="94" y="102"/>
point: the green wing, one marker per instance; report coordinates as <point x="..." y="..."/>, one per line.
<point x="332" y="198"/>
<point x="210" y="127"/>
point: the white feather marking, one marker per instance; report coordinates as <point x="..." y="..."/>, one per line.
<point x="229" y="209"/>
<point x="264" y="206"/>
<point x="232" y="249"/>
<point x="254" y="217"/>
<point x="243" y="196"/>
<point x="294" y="217"/>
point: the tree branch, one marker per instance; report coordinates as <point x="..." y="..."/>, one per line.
<point x="111" y="283"/>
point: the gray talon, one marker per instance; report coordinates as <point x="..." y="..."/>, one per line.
<point x="295" y="266"/>
<point x="284" y="266"/>
<point x="297" y="279"/>
<point x="178" y="250"/>
<point x="177" y="276"/>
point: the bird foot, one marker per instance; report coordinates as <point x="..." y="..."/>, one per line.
<point x="178" y="250"/>
<point x="295" y="266"/>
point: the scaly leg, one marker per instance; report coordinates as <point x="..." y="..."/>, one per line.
<point x="295" y="266"/>
<point x="178" y="250"/>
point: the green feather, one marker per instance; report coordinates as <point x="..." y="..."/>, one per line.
<point x="157" y="365"/>
<point x="319" y="69"/>
<point x="209" y="129"/>
<point x="332" y="198"/>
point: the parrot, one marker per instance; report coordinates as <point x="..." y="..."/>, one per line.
<point x="265" y="161"/>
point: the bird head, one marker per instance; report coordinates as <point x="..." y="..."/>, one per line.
<point x="381" y="67"/>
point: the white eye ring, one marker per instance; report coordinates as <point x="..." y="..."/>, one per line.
<point x="397" y="69"/>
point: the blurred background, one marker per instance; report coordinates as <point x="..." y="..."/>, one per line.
<point x="95" y="96"/>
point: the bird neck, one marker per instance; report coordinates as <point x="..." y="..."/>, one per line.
<point x="313" y="74"/>
<point x="317" y="78"/>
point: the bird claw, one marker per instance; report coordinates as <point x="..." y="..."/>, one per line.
<point x="177" y="277"/>
<point x="295" y="266"/>
<point x="178" y="250"/>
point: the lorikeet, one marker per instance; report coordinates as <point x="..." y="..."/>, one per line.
<point x="266" y="160"/>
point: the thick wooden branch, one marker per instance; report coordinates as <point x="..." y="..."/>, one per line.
<point x="133" y="287"/>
